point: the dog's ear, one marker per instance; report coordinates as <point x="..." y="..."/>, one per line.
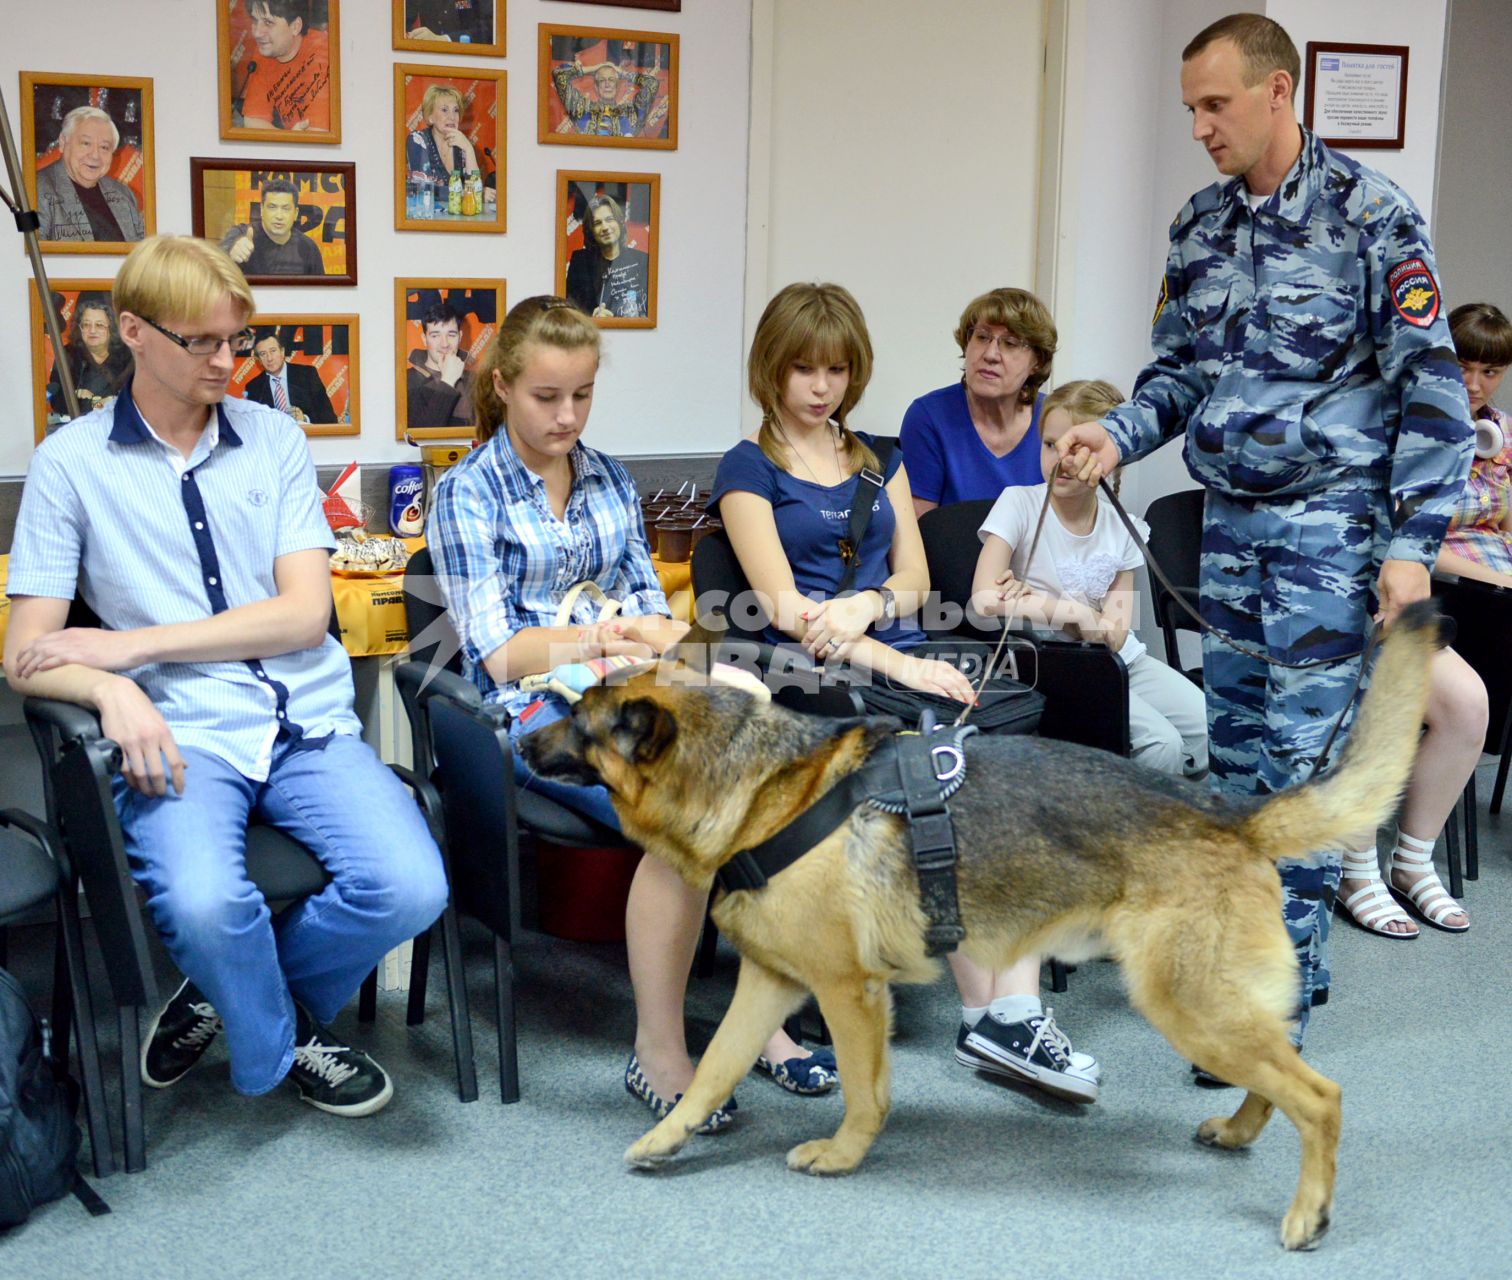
<point x="643" y="730"/>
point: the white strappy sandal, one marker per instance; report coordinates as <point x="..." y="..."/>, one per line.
<point x="1372" y="908"/>
<point x="1428" y="900"/>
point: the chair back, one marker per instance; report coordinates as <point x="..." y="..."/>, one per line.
<point x="433" y="639"/>
<point x="718" y="580"/>
<point x="1086" y="686"/>
<point x="951" y="548"/>
<point x="1175" y="522"/>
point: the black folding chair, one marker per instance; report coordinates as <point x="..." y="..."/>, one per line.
<point x="463" y="748"/>
<point x="35" y="872"/>
<point x="78" y="764"/>
<point x="1175" y="522"/>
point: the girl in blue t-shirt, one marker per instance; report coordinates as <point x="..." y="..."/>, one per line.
<point x="785" y="496"/>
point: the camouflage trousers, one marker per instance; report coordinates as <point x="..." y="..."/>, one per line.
<point x="1294" y="578"/>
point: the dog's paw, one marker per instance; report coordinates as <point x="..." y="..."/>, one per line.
<point x="823" y="1156"/>
<point x="1303" y="1230"/>
<point x="1218" y="1133"/>
<point x="647" y="1154"/>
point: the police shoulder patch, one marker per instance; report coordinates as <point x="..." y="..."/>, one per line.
<point x="1160" y="301"/>
<point x="1414" y="292"/>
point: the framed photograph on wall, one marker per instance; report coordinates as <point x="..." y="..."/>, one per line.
<point x="467" y="27"/>
<point x="449" y="131"/>
<point x="606" y="237"/>
<point x="441" y="330"/>
<point x="282" y="221"/>
<point x="87" y="154"/>
<point x="602" y="88"/>
<point x="306" y="366"/>
<point x="667" y="6"/>
<point x="280" y="70"/>
<point x="98" y="359"/>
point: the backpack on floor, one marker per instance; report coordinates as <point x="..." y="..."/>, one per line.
<point x="39" y="1139"/>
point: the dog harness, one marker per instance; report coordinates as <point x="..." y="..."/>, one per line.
<point x="912" y="774"/>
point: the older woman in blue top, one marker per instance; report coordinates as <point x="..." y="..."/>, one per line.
<point x="979" y="436"/>
<point x="519" y="522"/>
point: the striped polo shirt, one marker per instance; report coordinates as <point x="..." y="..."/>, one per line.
<point x="112" y="513"/>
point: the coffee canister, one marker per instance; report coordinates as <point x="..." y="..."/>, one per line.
<point x="406" y="510"/>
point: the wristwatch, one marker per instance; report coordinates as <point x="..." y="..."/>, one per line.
<point x="889" y="605"/>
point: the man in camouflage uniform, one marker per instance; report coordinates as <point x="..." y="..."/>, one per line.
<point x="1299" y="343"/>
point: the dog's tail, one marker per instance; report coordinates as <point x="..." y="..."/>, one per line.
<point x="1360" y="794"/>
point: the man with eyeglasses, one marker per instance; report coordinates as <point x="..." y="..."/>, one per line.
<point x="191" y="524"/>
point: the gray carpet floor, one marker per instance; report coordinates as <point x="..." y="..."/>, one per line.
<point x="970" y="1178"/>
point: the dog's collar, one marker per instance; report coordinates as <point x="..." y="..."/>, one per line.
<point x="908" y="773"/>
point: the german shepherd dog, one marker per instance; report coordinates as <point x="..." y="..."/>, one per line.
<point x="1061" y="851"/>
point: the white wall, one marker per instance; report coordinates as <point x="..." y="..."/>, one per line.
<point x="1419" y="24"/>
<point x="1473" y="219"/>
<point x="1139" y="165"/>
<point x="903" y="143"/>
<point x="661" y="390"/>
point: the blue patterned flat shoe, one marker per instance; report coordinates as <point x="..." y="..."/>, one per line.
<point x="637" y="1086"/>
<point x="808" y="1076"/>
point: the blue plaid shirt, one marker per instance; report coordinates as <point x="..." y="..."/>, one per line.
<point x="112" y="513"/>
<point x="504" y="561"/>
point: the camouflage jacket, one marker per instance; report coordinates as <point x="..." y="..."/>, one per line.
<point x="1304" y="347"/>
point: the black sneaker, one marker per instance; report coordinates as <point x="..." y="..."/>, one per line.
<point x="333" y="1077"/>
<point x="1207" y="1079"/>
<point x="1037" y="1050"/>
<point x="971" y="1059"/>
<point x="178" y="1037"/>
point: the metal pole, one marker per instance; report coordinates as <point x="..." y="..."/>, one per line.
<point x="27" y="224"/>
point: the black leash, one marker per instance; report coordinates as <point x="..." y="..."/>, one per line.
<point x="1160" y="575"/>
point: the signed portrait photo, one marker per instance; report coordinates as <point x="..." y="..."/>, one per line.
<point x="606" y="245"/>
<point x="306" y="367"/>
<point x="86" y="144"/>
<point x="97" y="359"/>
<point x="442" y="328"/>
<point x="282" y="222"/>
<point x="607" y="88"/>
<point x="280" y="78"/>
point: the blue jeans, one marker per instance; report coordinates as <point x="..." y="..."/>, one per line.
<point x="592" y="802"/>
<point x="189" y="853"/>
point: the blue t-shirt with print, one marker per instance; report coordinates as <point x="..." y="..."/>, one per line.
<point x="812" y="519"/>
<point x="947" y="461"/>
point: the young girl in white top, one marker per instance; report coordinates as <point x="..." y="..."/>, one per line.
<point x="1081" y="582"/>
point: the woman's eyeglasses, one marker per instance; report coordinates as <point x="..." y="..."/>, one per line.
<point x="1006" y="342"/>
<point x="204" y="345"/>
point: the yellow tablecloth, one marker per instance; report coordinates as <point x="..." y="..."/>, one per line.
<point x="371" y="610"/>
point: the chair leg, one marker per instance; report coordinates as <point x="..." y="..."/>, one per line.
<point x="1057" y="976"/>
<point x="509" y="1062"/>
<point x="414" y="1014"/>
<point x="1452" y="848"/>
<point x="1472" y="831"/>
<point x="96" y="1117"/>
<point x="1501" y="780"/>
<point x="367" y="998"/>
<point x="456" y="998"/>
<point x="131" y="1090"/>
